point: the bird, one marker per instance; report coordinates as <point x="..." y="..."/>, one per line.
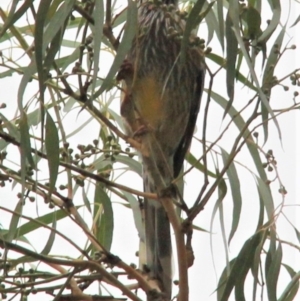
<point x="160" y="104"/>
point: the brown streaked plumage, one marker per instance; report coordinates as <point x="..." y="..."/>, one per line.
<point x="160" y="108"/>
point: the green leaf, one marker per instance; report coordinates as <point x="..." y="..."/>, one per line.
<point x="240" y="123"/>
<point x="253" y="20"/>
<point x="97" y="31"/>
<point x="57" y="22"/>
<point x="34" y="117"/>
<point x="197" y="228"/>
<point x="240" y="269"/>
<point x="25" y="139"/>
<point x="51" y="238"/>
<point x="52" y="149"/>
<point x="191" y="159"/>
<point x="222" y="63"/>
<point x="297" y="233"/>
<point x="32" y="225"/>
<point x="296" y="21"/>
<point x="223" y="279"/>
<point x="235" y="191"/>
<point x="53" y="9"/>
<point x="292" y="288"/>
<point x="268" y="77"/>
<point x="39" y="55"/>
<point x="256" y="265"/>
<point x="13" y="225"/>
<point x="255" y="79"/>
<point x="105" y="223"/>
<point x="266" y="196"/>
<point x="54" y="47"/>
<point x="86" y="201"/>
<point x="211" y="22"/>
<point x="117" y="118"/>
<point x="137" y="214"/>
<point x="220" y="22"/>
<point x="25" y="149"/>
<point x="231" y="55"/>
<point x="129" y="33"/>
<point x="12" y="129"/>
<point x="134" y="165"/>
<point x="13" y="15"/>
<point x="38" y="42"/>
<point x="261" y="214"/>
<point x="276" y="10"/>
<point x="222" y="191"/>
<point x="273" y="273"/>
<point x="191" y="23"/>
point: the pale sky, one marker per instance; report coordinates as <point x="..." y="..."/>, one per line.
<point x="209" y="262"/>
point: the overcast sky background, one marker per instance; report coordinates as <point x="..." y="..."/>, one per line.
<point x="203" y="277"/>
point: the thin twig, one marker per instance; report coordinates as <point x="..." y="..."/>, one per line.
<point x="93" y="265"/>
<point x="235" y="149"/>
<point x="81" y="171"/>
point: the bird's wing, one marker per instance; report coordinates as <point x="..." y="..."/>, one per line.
<point x="194" y="109"/>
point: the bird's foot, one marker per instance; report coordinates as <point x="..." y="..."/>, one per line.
<point x="168" y="192"/>
<point x="154" y="295"/>
<point x="141" y="131"/>
<point x="126" y="70"/>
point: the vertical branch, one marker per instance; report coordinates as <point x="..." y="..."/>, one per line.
<point x="181" y="251"/>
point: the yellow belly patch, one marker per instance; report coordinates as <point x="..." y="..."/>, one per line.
<point x="149" y="100"/>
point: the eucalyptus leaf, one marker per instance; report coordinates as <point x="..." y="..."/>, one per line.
<point x="52" y="148"/>
<point x="105" y="222"/>
<point x="236" y="193"/>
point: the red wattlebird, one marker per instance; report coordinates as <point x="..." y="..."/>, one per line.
<point x="160" y="107"/>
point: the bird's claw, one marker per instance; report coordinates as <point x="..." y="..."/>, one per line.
<point x="141" y="131"/>
<point x="126" y="70"/>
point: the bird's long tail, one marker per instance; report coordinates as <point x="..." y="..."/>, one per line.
<point x="158" y="240"/>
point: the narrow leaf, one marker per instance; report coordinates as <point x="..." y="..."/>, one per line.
<point x="13" y="15"/>
<point x="39" y="54"/>
<point x="222" y="191"/>
<point x="13" y="225"/>
<point x="134" y="165"/>
<point x="212" y="22"/>
<point x="221" y="22"/>
<point x="105" y="223"/>
<point x="191" y="159"/>
<point x="273" y="274"/>
<point x="137" y="214"/>
<point x="231" y="54"/>
<point x="86" y="201"/>
<point x="241" y="267"/>
<point x="222" y="63"/>
<point x="129" y="33"/>
<point x="25" y="149"/>
<point x="12" y="129"/>
<point x="51" y="239"/>
<point x="276" y="10"/>
<point x="32" y="226"/>
<point x="296" y="21"/>
<point x="235" y="191"/>
<point x="268" y="77"/>
<point x="292" y="288"/>
<point x="255" y="79"/>
<point x="97" y="31"/>
<point x="266" y="196"/>
<point x="240" y="123"/>
<point x="190" y="25"/>
<point x="52" y="149"/>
